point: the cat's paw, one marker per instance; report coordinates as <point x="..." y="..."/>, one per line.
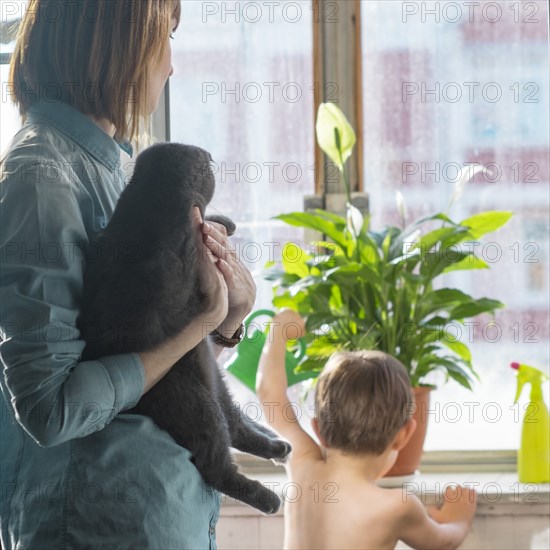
<point x="280" y="450"/>
<point x="270" y="503"/>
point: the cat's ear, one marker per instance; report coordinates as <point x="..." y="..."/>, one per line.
<point x="224" y="220"/>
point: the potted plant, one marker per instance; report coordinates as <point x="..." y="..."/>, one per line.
<point x="366" y="289"/>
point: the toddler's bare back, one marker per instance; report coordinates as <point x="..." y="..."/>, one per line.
<point x="338" y="510"/>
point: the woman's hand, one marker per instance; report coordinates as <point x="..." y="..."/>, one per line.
<point x="212" y="280"/>
<point x="241" y="289"/>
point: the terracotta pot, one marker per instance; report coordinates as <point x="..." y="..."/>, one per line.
<point x="409" y="456"/>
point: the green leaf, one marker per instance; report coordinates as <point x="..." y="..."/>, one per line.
<point x="429" y="349"/>
<point x="440" y="216"/>
<point x="469" y="262"/>
<point x="339" y="221"/>
<point x="427" y="241"/>
<point x="433" y="334"/>
<point x="330" y="119"/>
<point x="425" y="363"/>
<point x="316" y="222"/>
<point x="446" y="296"/>
<point x="324" y="318"/>
<point x="331" y="249"/>
<point x="355" y="274"/>
<point x="441" y="299"/>
<point x="484" y="305"/>
<point x="447" y="364"/>
<point x="287" y="301"/>
<point x="335" y="301"/>
<point x="322" y="345"/>
<point x="413" y="280"/>
<point x="434" y="263"/>
<point x="294" y="260"/>
<point x="280" y="278"/>
<point x="365" y="340"/>
<point x="311" y="364"/>
<point x="391" y="234"/>
<point x="322" y="263"/>
<point x="370" y="252"/>
<point x="435" y="322"/>
<point x="377" y="237"/>
<point x="305" y="284"/>
<point x="485" y="222"/>
<point x="459" y="348"/>
<point x="461" y="377"/>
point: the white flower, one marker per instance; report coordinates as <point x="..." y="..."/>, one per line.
<point x="331" y="120"/>
<point x="401" y="206"/>
<point x="354" y="220"/>
<point x="465" y="175"/>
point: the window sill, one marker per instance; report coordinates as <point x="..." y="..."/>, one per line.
<point x="495" y="480"/>
<point x="432" y="462"/>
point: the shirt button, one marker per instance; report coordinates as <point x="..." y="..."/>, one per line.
<point x="212" y="530"/>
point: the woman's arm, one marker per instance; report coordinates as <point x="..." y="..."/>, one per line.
<point x="55" y="396"/>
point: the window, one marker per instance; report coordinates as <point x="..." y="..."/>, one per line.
<point x="10" y="13"/>
<point x="448" y="83"/>
<point x="242" y="88"/>
<point x="10" y="115"/>
<point x="443" y="84"/>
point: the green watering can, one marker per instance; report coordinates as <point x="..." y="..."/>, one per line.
<point x="244" y="362"/>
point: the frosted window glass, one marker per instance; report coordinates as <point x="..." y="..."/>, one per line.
<point x="447" y="83"/>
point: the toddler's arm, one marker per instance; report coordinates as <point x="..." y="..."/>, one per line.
<point x="439" y="528"/>
<point x="271" y="384"/>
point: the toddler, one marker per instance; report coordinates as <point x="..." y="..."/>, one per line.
<point x="362" y="419"/>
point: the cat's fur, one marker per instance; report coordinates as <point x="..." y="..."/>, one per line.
<point x="141" y="288"/>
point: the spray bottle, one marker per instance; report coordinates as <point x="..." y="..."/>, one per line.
<point x="534" y="451"/>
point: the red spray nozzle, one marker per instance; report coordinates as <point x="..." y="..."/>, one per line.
<point x="514" y="366"/>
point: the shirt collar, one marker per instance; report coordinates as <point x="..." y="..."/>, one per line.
<point x="80" y="129"/>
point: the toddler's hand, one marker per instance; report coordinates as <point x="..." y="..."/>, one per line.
<point x="459" y="506"/>
<point x="290" y="323"/>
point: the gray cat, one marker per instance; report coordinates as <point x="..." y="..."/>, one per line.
<point x="141" y="288"/>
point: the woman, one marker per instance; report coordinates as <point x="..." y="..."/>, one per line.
<point x="86" y="75"/>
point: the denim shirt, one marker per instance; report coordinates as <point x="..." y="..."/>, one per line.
<point x="75" y="473"/>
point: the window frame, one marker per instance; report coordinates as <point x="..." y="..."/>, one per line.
<point x="161" y="117"/>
